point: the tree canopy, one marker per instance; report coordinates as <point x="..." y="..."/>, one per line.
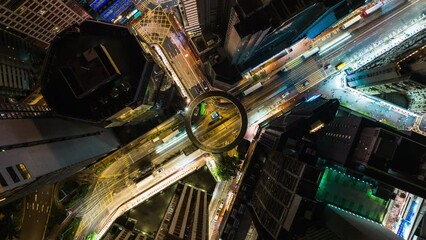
<point x="227" y="167"/>
<point x="8" y="221"/>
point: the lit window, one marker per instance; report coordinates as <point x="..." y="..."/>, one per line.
<point x="42" y="12"/>
<point x="55" y="29"/>
<point x="23" y="171"/>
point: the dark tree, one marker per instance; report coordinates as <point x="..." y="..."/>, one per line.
<point x="227" y="167"/>
<point x="8" y="224"/>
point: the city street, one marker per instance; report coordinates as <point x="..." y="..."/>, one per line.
<point x="37" y="210"/>
<point x="269" y="100"/>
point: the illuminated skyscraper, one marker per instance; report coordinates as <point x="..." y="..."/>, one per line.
<point x="38" y="149"/>
<point x="105" y="79"/>
<point x="40" y="20"/>
<point x="19" y="65"/>
<point x="186" y="216"/>
<point x="114" y="11"/>
<point x="259" y="29"/>
<point x="293" y="191"/>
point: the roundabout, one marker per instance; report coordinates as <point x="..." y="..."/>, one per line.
<point x="215" y="121"/>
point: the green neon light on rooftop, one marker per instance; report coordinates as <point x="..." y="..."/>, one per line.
<point x="347" y="192"/>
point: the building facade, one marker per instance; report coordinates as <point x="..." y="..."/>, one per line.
<point x="258" y="30"/>
<point x="35" y="149"/>
<point x="191" y="21"/>
<point x="40" y="20"/>
<point x="112" y="11"/>
<point x="20" y="65"/>
<point x="401" y="82"/>
<point x="16" y="65"/>
<point x="105" y="79"/>
<point x="186" y="216"/>
<point x="299" y="183"/>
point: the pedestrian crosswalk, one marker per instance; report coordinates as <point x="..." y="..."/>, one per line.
<point x="293" y="63"/>
<point x="310" y="81"/>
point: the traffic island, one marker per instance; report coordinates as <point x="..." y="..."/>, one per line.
<point x="219" y="102"/>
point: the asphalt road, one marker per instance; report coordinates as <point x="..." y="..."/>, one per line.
<point x="37" y="210"/>
<point x="259" y="104"/>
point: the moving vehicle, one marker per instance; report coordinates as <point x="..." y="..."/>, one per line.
<point x="252" y="89"/>
<point x="373" y="9"/>
<point x="204" y="84"/>
<point x="171" y="135"/>
<point x="340" y="65"/>
<point x="285" y="94"/>
<point x="221" y="205"/>
<point x="327" y="67"/>
<point x="334" y="43"/>
<point x="196" y="111"/>
<point x="305" y="83"/>
<point x="202" y="108"/>
<point x="351" y="22"/>
<point x="215" y="116"/>
<point x="309" y="53"/>
<point x="216" y="217"/>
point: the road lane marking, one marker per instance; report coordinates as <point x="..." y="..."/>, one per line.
<point x="374" y="27"/>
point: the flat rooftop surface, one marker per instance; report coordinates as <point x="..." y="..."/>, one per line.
<point x="352" y="194"/>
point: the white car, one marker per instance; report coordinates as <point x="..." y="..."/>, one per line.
<point x="216" y="217"/>
<point x="285" y="94"/>
<point x="220" y="206"/>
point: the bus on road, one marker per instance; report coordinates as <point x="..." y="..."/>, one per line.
<point x="351" y="22"/>
<point x="171" y="135"/>
<point x="309" y="53"/>
<point x="202" y="108"/>
<point x="252" y="89"/>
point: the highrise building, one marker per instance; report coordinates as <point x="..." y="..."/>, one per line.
<point x="113" y="11"/>
<point x="389" y="156"/>
<point x="105" y="79"/>
<point x="37" y="149"/>
<point x="186" y="216"/>
<point x="224" y="8"/>
<point x="40" y="20"/>
<point x="299" y="185"/>
<point x="20" y="65"/>
<point x="258" y="30"/>
<point x="401" y="82"/>
<point x="287" y="184"/>
<point x="191" y="21"/>
<point x="18" y="111"/>
<point x="201" y="16"/>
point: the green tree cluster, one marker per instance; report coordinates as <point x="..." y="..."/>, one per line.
<point x="227" y="167"/>
<point x="8" y="221"/>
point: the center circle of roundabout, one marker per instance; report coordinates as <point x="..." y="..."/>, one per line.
<point x="208" y="127"/>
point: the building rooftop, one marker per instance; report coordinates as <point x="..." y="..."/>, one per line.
<point x="94" y="70"/>
<point x="336" y="186"/>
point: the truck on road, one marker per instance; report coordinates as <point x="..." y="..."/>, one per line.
<point x="309" y="53"/>
<point x="252" y="89"/>
<point x="351" y="22"/>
